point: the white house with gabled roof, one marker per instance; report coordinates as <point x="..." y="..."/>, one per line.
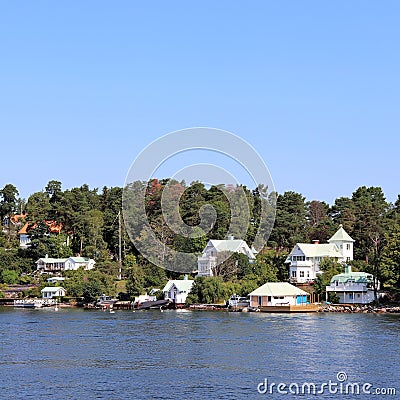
<point x="177" y="290"/>
<point x="52" y="291"/>
<point x="207" y="262"/>
<point x="305" y="258"/>
<point x="48" y="264"/>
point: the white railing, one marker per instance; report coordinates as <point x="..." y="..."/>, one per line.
<point x="347" y="288"/>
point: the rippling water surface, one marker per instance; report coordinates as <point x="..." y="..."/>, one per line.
<point x="77" y="354"/>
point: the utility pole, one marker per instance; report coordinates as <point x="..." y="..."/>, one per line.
<point x="119" y="246"/>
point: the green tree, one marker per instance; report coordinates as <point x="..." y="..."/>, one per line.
<point x="290" y="222"/>
<point x="38" y="207"/>
<point x="9" y="277"/>
<point x="207" y="290"/>
<point x="8" y="200"/>
<point x="91" y="290"/>
<point x="343" y="212"/>
<point x="319" y="224"/>
<point x="135" y="281"/>
<point x="391" y="257"/>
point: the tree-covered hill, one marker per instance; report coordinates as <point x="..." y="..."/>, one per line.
<point x="88" y="219"/>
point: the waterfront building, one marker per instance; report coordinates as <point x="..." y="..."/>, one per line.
<point x="305" y="258"/>
<point x="352" y="287"/>
<point x="50" y="292"/>
<point x="177" y="290"/>
<point x="280" y="297"/>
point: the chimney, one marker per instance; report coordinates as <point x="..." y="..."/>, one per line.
<point x="46" y="256"/>
<point x="185" y="277"/>
<point x="315" y="241"/>
<point x="231" y="237"/>
<point x="347" y="269"/>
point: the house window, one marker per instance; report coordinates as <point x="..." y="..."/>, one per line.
<point x="351" y="297"/>
<point x="294" y="274"/>
<point x="259" y="300"/>
<point x="358" y="295"/>
<point x="212" y="253"/>
<point x="348" y="258"/>
<point x="301" y="274"/>
<point x="347" y="246"/>
<point x="308" y="274"/>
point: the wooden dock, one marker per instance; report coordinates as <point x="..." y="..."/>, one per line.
<point x="305" y="308"/>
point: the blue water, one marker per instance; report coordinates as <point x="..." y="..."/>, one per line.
<point x="77" y="354"/>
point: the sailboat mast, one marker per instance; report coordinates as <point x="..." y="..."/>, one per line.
<point x="119" y="246"/>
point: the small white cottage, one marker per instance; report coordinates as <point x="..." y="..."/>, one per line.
<point x="50" y="292"/>
<point x="281" y="297"/>
<point x="177" y="290"/>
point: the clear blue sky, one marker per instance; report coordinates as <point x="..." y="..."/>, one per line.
<point x="314" y="86"/>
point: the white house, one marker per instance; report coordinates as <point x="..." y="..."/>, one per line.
<point x="55" y="279"/>
<point x="48" y="264"/>
<point x="273" y="296"/>
<point x="305" y="258"/>
<point x="352" y="287"/>
<point x="74" y="263"/>
<point x="177" y="290"/>
<point x="49" y="292"/>
<point x="208" y="260"/>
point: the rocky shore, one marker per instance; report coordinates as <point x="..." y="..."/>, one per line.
<point x="367" y="308"/>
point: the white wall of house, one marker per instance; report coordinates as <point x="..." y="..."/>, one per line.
<point x="71" y="264"/>
<point x="57" y="292"/>
<point x="356" y="297"/>
<point x="272" y="301"/>
<point x="174" y="294"/>
<point x="346" y="248"/>
<point x="208" y="260"/>
<point x="302" y="274"/>
<point x="24" y="240"/>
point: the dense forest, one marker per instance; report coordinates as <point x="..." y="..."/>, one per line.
<point x="90" y="227"/>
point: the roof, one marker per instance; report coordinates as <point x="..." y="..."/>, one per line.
<point x="52" y="226"/>
<point x="278" y="289"/>
<point x="183" y="285"/>
<point x="80" y="259"/>
<point x="15" y="218"/>
<point x="49" y="289"/>
<point x="24" y="229"/>
<point x="320" y="250"/>
<point x="232" y="245"/>
<point x="55" y="279"/>
<point x="341" y="236"/>
<point x="358" y="277"/>
<point x="49" y="260"/>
